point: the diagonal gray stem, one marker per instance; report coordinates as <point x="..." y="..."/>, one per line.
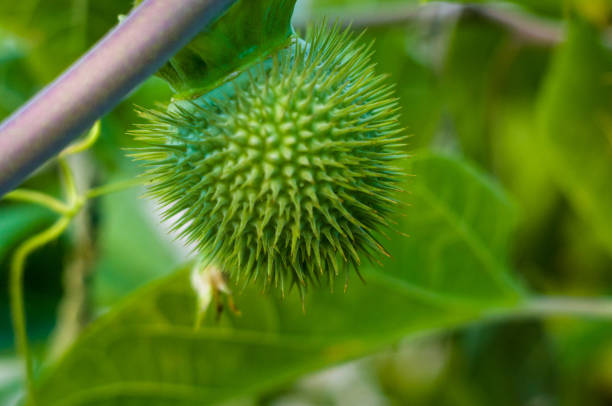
<point x="126" y="56"/>
<point x="524" y="26"/>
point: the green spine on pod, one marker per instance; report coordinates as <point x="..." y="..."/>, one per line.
<point x="285" y="174"/>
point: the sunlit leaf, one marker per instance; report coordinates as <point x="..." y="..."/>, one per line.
<point x="221" y="48"/>
<point x="451" y="271"/>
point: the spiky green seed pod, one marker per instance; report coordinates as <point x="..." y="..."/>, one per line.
<point x="285" y="175"/>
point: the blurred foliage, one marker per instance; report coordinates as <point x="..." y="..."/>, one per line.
<point x="576" y="115"/>
<point x="519" y="196"/>
<point x="125" y="258"/>
<point x="59" y="31"/>
<point x="274" y="339"/>
<point x="16" y="81"/>
<point x="18" y="222"/>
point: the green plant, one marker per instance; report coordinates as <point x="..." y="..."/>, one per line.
<point x="282" y="161"/>
<point x="284" y="169"/>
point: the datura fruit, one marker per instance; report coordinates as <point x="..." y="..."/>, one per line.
<point x="285" y="174"/>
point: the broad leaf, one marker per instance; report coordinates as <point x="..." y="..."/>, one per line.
<point x="449" y="272"/>
<point x="63" y="29"/>
<point x="247" y="31"/>
<point x="459" y="227"/>
<point x="576" y="122"/>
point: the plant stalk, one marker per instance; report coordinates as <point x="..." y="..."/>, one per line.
<point x="526" y="27"/>
<point x="565" y="306"/>
<point x="125" y="57"/>
<point x="16" y="293"/>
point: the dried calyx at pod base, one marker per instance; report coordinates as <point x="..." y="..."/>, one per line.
<point x="285" y="174"/>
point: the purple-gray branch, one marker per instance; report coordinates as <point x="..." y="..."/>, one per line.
<point x="125" y="57"/>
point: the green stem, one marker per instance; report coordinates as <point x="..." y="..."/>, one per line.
<point x="70" y="188"/>
<point x="85" y="144"/>
<point x="563" y="306"/>
<point x="32" y="196"/>
<point x="16" y="292"/>
<point x="113" y="187"/>
<point x="134" y="50"/>
<point x="68" y="210"/>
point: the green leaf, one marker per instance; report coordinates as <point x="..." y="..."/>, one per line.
<point x="451" y="271"/>
<point x="576" y="126"/>
<point x="460" y="224"/>
<point x="60" y="31"/>
<point x="249" y="30"/>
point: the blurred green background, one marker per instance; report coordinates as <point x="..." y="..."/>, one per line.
<point x="520" y="92"/>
